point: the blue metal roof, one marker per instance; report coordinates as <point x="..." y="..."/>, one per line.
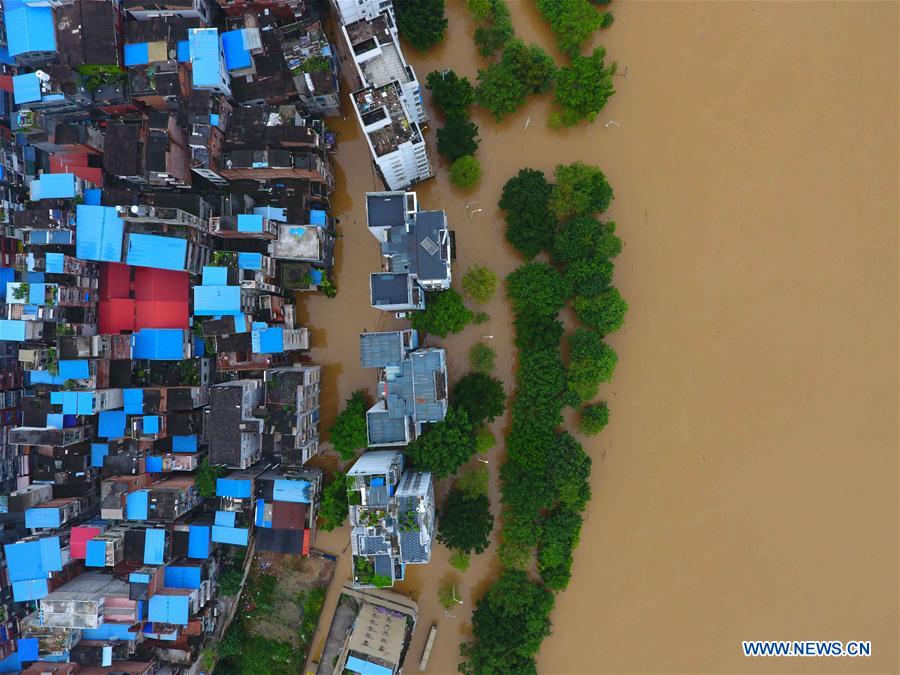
<point x="198" y="541"/>
<point x="137" y="54"/>
<point x="158" y="344"/>
<point x="26" y="88"/>
<point x="170" y="609"/>
<point x="151" y="424"/>
<point x="272" y="213"/>
<point x="30" y="29"/>
<point x="204" y="51"/>
<point x="32" y="559"/>
<point x="153" y="250"/>
<point x="98" y="452"/>
<point x="55" y="263"/>
<point x="238" y="536"/>
<point x="225" y="518"/>
<point x="109" y="631"/>
<point x="93" y="196"/>
<point x="98" y="233"/>
<point x="182" y="577"/>
<point x="95" y="553"/>
<point x="112" y="424"/>
<point x="183" y="51"/>
<point x="154" y="464"/>
<point x="249" y="222"/>
<point x="29" y="589"/>
<point x="357" y="665"/>
<point x="237" y="56"/>
<point x="184" y="443"/>
<point x="53" y="186"/>
<point x="137" y="505"/>
<point x="74" y="369"/>
<point x="292" y="491"/>
<point x="28" y="648"/>
<point x="134" y="401"/>
<point x="217" y="300"/>
<point x="267" y="341"/>
<point x="215" y="276"/>
<point x="239" y="488"/>
<point x="317" y="217"/>
<point x="154" y="546"/>
<point x="12" y="329"/>
<point x="40" y="517"/>
<point x="250" y="261"/>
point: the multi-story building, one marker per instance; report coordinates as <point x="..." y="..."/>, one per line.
<point x="233" y="430"/>
<point x="412" y="386"/>
<point x="391" y="517"/>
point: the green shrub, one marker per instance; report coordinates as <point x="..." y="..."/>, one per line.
<point x="458" y="137"/>
<point x="334" y="507"/>
<point x="444" y="313"/>
<point x="481" y="358"/>
<point x="594" y="418"/>
<point x="605" y="312"/>
<point x="480" y="283"/>
<point x="348" y="433"/>
<point x="421" y="22"/>
<point x="465" y="172"/>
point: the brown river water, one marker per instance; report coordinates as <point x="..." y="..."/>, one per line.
<point x="747" y="485"/>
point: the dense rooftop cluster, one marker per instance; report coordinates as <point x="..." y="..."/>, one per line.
<point x="164" y="194"/>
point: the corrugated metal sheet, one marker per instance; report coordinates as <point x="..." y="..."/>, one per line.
<point x="297" y="491"/>
<point x="203" y="45"/>
<point x="40" y="517"/>
<point x="184" y="443"/>
<point x="182" y="577"/>
<point x="230" y="535"/>
<point x="237" y="56"/>
<point x="30" y="29"/>
<point x="250" y="222"/>
<point x="153" y="250"/>
<point x="233" y="487"/>
<point x="169" y="609"/>
<point x="217" y="300"/>
<point x="137" y="505"/>
<point x="95" y="553"/>
<point x="112" y="424"/>
<point x="53" y="186"/>
<point x="98" y="233"/>
<point x="198" y="541"/>
<point x="26" y="88"/>
<point x="158" y="344"/>
<point x="154" y="547"/>
<point x="134" y="401"/>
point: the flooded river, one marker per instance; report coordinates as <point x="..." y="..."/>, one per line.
<point x="747" y="485"/>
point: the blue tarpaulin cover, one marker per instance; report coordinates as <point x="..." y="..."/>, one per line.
<point x="317" y="217"/>
<point x="250" y="261"/>
<point x="98" y="233"/>
<point x="28" y="648"/>
<point x="217" y="300"/>
<point x="98" y="452"/>
<point x="272" y="213"/>
<point x="183" y="51"/>
<point x="154" y="464"/>
<point x="29" y="589"/>
<point x="204" y="53"/>
<point x="154" y="547"/>
<point x="268" y="341"/>
<point x="225" y="518"/>
<point x="139" y="578"/>
<point x="93" y="196"/>
<point x="151" y="424"/>
<point x="55" y="263"/>
<point x="12" y="329"/>
<point x="109" y="631"/>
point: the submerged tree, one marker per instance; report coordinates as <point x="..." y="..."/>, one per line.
<point x="421" y="22"/>
<point x="334" y="506"/>
<point x="348" y="433"/>
<point x="530" y="226"/>
<point x="583" y="88"/>
<point x="450" y="92"/>
<point x="481" y="396"/>
<point x="572" y="21"/>
<point x="458" y="137"/>
<point x="580" y="189"/>
<point x="444" y="313"/>
<point x="466" y="522"/>
<point x="444" y="446"/>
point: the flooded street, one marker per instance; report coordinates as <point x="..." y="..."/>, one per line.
<point x="747" y="484"/>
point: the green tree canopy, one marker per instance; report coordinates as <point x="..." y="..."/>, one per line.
<point x="474" y="483"/>
<point x="230" y="582"/>
<point x="496" y="28"/>
<point x="480" y="283"/>
<point x="458" y="137"/>
<point x="559" y="536"/>
<point x="593" y="418"/>
<point x="333" y="508"/>
<point x="444" y="446"/>
<point x="583" y="88"/>
<point x="481" y="358"/>
<point x="537" y="288"/>
<point x="481" y="396"/>
<point x="444" y="313"/>
<point x="450" y="92"/>
<point x="465" y="172"/>
<point x="604" y="313"/>
<point x="348" y="433"/>
<point x="205" y="478"/>
<point x="523" y="69"/>
<point x="572" y="21"/>
<point x="591" y="361"/>
<point x="508" y="625"/>
<point x="583" y="238"/>
<point x="421" y="22"/>
<point x="465" y="522"/>
<point x="530" y="226"/>
<point x="569" y="472"/>
<point x="580" y="189"/>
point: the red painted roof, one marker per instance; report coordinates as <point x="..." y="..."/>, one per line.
<point x="160" y="298"/>
<point x="79" y="539"/>
<point x="306" y="540"/>
<point x="77" y="163"/>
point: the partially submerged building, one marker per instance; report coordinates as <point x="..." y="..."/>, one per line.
<point x="412" y="386"/>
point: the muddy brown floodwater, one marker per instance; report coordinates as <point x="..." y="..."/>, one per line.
<point x="747" y="485"/>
